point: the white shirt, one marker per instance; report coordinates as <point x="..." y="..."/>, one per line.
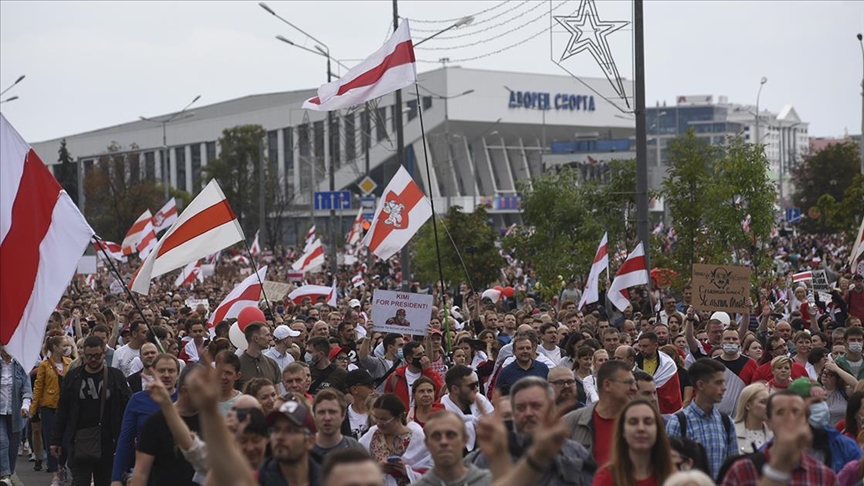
<point x="554" y="355"/>
<point x="123" y="357"/>
<point x="590" y="384"/>
<point x="359" y="422"/>
<point x="282" y="360"/>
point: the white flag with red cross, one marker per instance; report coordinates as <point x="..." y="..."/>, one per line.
<point x="402" y="211"/>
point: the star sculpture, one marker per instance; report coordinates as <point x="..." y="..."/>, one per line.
<point x="588" y="32"/>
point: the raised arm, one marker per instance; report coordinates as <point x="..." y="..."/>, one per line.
<point x="689" y="334"/>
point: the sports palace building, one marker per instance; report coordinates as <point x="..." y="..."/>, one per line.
<point x="486" y="132"/>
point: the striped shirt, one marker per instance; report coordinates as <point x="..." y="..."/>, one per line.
<point x="709" y="431"/>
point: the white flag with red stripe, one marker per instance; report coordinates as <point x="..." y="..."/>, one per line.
<point x="255" y="248"/>
<point x="802" y="276"/>
<point x="148" y="241"/>
<point x="388" y="69"/>
<point x="333" y="300"/>
<point x="246" y="294"/>
<point x="90" y="280"/>
<point x="206" y="226"/>
<point x="166" y="216"/>
<point x="402" y="211"/>
<point x="136" y="233"/>
<point x="113" y="250"/>
<point x="312" y="291"/>
<point x="356" y="229"/>
<point x="600" y="263"/>
<point x="310" y="260"/>
<point x="631" y="273"/>
<point x="858" y="247"/>
<point x="42" y="237"/>
<point x="668" y="385"/>
<point x="357" y="280"/>
<point x="189" y="274"/>
<point x="310" y="239"/>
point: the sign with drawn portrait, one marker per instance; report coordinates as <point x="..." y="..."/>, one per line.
<point x="401" y="312"/>
<point x="721" y="288"/>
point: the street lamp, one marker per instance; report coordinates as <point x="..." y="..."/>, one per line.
<point x="180" y="115"/>
<point x="13" y="84"/>
<point x="657" y="134"/>
<point x="7" y="100"/>
<point x="761" y="84"/>
<point x="861" y="140"/>
<point x="459" y="23"/>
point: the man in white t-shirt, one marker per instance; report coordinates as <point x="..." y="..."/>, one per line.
<point x="124" y="355"/>
<point x="549" y="345"/>
<point x="360" y="384"/>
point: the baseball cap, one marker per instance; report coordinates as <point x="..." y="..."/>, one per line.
<point x="722" y="317"/>
<point x="801" y="387"/>
<point x="436" y="331"/>
<point x="858" y="277"/>
<point x="335" y="352"/>
<point x="354" y="303"/>
<point x="281" y="332"/>
<point x="358" y="377"/>
<point x="296" y="412"/>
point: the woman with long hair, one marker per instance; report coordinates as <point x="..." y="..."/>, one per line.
<point x="46" y="395"/>
<point x="750" y="416"/>
<point x="425" y="405"/>
<point x="838" y="386"/>
<point x="641" y="455"/>
<point x="752" y="348"/>
<point x="264" y="391"/>
<point x="854" y="416"/>
<point x="396" y="444"/>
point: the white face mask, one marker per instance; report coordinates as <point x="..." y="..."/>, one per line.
<point x="730" y="348"/>
<point x="67" y="351"/>
<point x="819" y="414"/>
<point x="854" y="348"/>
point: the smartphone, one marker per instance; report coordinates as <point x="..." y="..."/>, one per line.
<point x="394" y="459"/>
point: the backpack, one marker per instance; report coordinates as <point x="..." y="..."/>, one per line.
<point x="701" y="453"/>
<point x="757" y="458"/>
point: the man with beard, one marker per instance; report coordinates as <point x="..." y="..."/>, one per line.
<point x="462" y="398"/>
<point x="566" y="387"/>
<point x="418" y="364"/>
<point x="292" y="436"/>
<point x="325" y="373"/>
<point x="446" y="438"/>
<point x="139" y="379"/>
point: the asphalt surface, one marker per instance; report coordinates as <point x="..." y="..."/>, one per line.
<point x="26" y="476"/>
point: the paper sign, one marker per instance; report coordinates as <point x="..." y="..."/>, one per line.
<point x="87" y="264"/>
<point x="276" y="290"/>
<point x="721" y="287"/>
<point x="401" y="312"/>
<point x="194" y="303"/>
<point x="825" y="297"/>
<point x="820" y="281"/>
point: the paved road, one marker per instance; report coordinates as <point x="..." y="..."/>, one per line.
<point x="28" y="477"/>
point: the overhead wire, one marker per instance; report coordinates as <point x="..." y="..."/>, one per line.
<point x="491" y="27"/>
<point x="448" y="21"/>
<point x="475" y="22"/>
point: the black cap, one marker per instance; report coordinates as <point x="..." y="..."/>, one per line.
<point x="358" y="377"/>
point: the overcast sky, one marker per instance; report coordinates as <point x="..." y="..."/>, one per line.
<point x="91" y="65"/>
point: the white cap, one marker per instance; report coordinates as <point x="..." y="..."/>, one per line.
<point x="283" y="331"/>
<point x="722" y="317"/>
<point x="354" y="303"/>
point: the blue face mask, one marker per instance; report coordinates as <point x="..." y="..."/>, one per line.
<point x="819" y="414"/>
<point x="399" y="354"/>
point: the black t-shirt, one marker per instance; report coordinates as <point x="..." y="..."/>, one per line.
<point x="169" y="465"/>
<point x="88" y="397"/>
<point x="333" y="377"/>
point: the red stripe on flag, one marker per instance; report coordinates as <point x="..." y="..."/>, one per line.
<point x="208" y="219"/>
<point x="137" y="227"/>
<point x="632" y="265"/>
<point x="32" y="212"/>
<point x="410" y="196"/>
<point x="253" y="293"/>
<point x="315" y="254"/>
<point x="402" y="54"/>
<point x="601" y="253"/>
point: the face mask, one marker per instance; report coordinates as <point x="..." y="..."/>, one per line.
<point x="855" y="347"/>
<point x="399" y="354"/>
<point x="730" y="348"/>
<point x="819" y="414"/>
<point x="416" y="363"/>
<point x="67" y="351"/>
<point x="307" y="358"/>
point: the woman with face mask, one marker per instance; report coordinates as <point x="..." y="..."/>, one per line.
<point x="46" y="395"/>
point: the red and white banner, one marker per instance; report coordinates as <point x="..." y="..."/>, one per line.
<point x="255" y="248"/>
<point x="310" y="239"/>
<point x="310" y="260"/>
<point x="166" y="216"/>
<point x="333" y="300"/>
<point x="858" y="247"/>
<point x="90" y="280"/>
<point x="312" y="291"/>
<point x="212" y="258"/>
<point x="189" y="274"/>
<point x="631" y="273"/>
<point x="668" y="385"/>
<point x="136" y="232"/>
<point x="402" y="211"/>
<point x="356" y="229"/>
<point x="802" y="276"/>
<point x="241" y="259"/>
<point x="113" y="250"/>
<point x="246" y="294"/>
<point x="148" y="241"/>
<point x="600" y="263"/>
<point x="389" y="68"/>
<point x="42" y="237"/>
<point x="357" y="280"/>
<point x="206" y="226"/>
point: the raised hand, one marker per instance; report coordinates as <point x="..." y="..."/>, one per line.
<point x="156" y="391"/>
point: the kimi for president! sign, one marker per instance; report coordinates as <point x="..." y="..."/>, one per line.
<point x="401" y="312"/>
<point x="721" y="288"/>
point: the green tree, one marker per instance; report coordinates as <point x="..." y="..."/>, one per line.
<point x="829" y="172"/>
<point x="66" y="172"/>
<point x="846" y="214"/>
<point x="473" y="237"/>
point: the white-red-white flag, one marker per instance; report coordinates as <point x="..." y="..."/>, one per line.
<point x="356" y="229"/>
<point x="310" y="260"/>
<point x="388" y="69"/>
<point x="858" y="246"/>
<point x="206" y="226"/>
<point x="357" y="280"/>
<point x="802" y="276"/>
<point x="241" y="259"/>
<point x="136" y="232"/>
<point x="312" y="291"/>
<point x="255" y="248"/>
<point x="212" y="258"/>
<point x="166" y="216"/>
<point x="113" y="250"/>
<point x="189" y="274"/>
<point x="310" y="239"/>
<point x="631" y="273"/>
<point x="148" y="241"/>
<point x="591" y="293"/>
<point x="401" y="212"/>
<point x="90" y="280"/>
<point x="245" y="294"/>
<point x="42" y="238"/>
<point x="333" y="300"/>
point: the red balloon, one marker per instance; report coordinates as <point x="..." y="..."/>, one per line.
<point x="498" y="288"/>
<point x="249" y="315"/>
<point x="508" y="292"/>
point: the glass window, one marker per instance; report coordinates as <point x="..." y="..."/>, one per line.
<point x="394" y="110"/>
<point x="350" y="138"/>
<point x="211" y="151"/>
<point x="288" y="149"/>
<point x="412" y="109"/>
<point x="180" y="158"/>
<point x="134" y="162"/>
<point x="150" y="166"/>
<point x="196" y="167"/>
<point x="380" y="127"/>
<point x="303" y="140"/>
<point x="318" y="136"/>
<point x="366" y="128"/>
<point x="273" y="149"/>
<point x="427" y="102"/>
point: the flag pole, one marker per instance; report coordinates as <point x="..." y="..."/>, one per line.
<point x="154" y="339"/>
<point x="432" y="203"/>
<point x="255" y="267"/>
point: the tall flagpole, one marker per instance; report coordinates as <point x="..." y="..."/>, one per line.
<point x="404" y="256"/>
<point x="641" y="134"/>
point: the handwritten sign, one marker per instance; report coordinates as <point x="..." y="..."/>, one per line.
<point x="276" y="290"/>
<point x="401" y="312"/>
<point x="820" y="281"/>
<point x="721" y="287"/>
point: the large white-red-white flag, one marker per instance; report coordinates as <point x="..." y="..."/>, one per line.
<point x="148" y="240"/>
<point x="312" y="291"/>
<point x="42" y="238"/>
<point x="136" y="233"/>
<point x="858" y="247"/>
<point x="113" y="250"/>
<point x="389" y="68"/>
<point x="356" y="229"/>
<point x="310" y="260"/>
<point x="206" y="226"/>
<point x="166" y="216"/>
<point x="256" y="247"/>
<point x="401" y="212"/>
<point x="245" y="294"/>
<point x="189" y="274"/>
<point x="591" y="293"/>
<point x="631" y="273"/>
<point x="310" y="239"/>
<point x="333" y="299"/>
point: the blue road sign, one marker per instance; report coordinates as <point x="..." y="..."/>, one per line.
<point x="327" y="200"/>
<point x="793" y="215"/>
<point x="368" y="204"/>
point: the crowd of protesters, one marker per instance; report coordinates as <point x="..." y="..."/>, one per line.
<point x="510" y="392"/>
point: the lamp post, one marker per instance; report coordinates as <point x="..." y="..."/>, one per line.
<point x="7" y="100"/>
<point x="761" y="84"/>
<point x="180" y="115"/>
<point x="657" y="134"/>
<point x="20" y="78"/>
<point x="861" y="140"/>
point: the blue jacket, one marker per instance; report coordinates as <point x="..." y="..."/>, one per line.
<point x="843" y="449"/>
<point x="21" y="389"/>
<point x="138" y="410"/>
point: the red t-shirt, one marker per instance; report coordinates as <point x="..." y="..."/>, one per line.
<point x="604" y="478"/>
<point x="604" y="429"/>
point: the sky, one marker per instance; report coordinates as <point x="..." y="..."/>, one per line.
<point x="90" y="65"/>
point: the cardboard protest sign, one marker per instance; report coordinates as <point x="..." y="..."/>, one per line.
<point x="401" y="312"/>
<point x="193" y="303"/>
<point x="276" y="290"/>
<point x="721" y="288"/>
<point x="820" y="281"/>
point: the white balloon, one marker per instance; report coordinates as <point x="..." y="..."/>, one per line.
<point x="238" y="339"/>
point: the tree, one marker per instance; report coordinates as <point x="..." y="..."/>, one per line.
<point x="828" y="172"/>
<point x="66" y="172"/>
<point x="710" y="191"/>
<point x="236" y="169"/>
<point x="846" y="214"/>
<point x="473" y="237"/>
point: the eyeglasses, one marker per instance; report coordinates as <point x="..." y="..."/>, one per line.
<point x="563" y="383"/>
<point x="341" y="358"/>
<point x="381" y="421"/>
<point x="93" y="357"/>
